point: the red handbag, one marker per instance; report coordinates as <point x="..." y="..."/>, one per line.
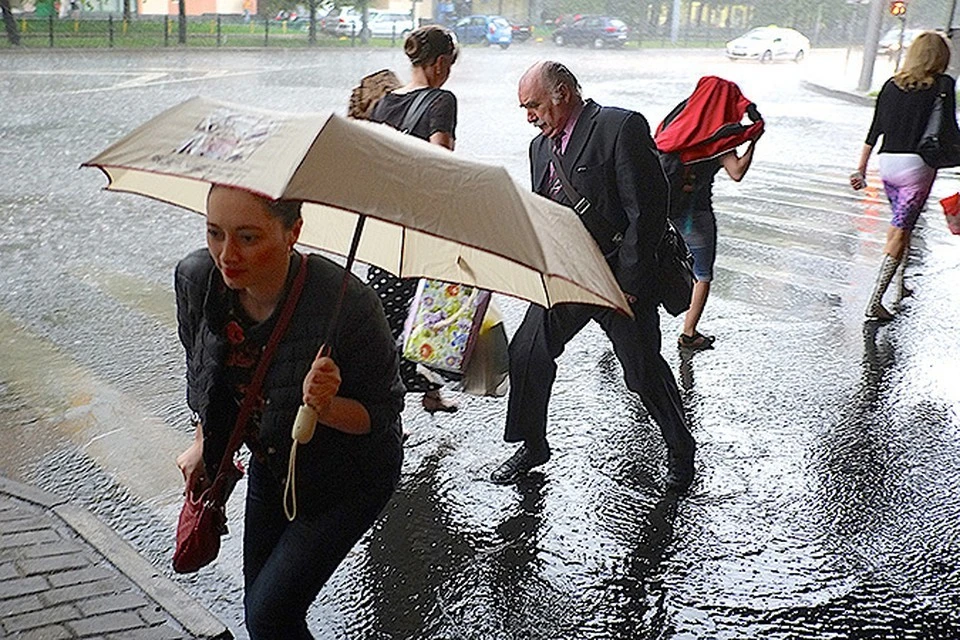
<point x="203" y="518"/>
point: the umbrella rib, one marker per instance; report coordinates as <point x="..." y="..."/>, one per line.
<point x="403" y="247"/>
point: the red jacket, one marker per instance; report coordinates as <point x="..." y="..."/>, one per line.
<point x="708" y="123"/>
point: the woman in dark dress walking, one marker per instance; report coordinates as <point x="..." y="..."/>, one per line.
<point x="229" y="299"/>
<point x="432" y="50"/>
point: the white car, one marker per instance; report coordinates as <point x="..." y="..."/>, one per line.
<point x="345" y="21"/>
<point x="769" y="43"/>
<point x="387" y="24"/>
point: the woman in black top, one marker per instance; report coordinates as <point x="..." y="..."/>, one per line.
<point x="903" y="109"/>
<point x="228" y="299"/>
<point x="432" y="50"/>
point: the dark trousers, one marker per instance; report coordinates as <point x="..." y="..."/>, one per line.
<point x="286" y="563"/>
<point x="540" y="340"/>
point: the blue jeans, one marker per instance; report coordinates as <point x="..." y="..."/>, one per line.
<point x="285" y="564"/>
<point x="699" y="230"/>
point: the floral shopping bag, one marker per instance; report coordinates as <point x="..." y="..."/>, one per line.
<point x="443" y="324"/>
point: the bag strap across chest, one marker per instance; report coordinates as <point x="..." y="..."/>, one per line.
<point x="253" y="390"/>
<point x="418" y="107"/>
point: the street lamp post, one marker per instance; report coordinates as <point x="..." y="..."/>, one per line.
<point x="675" y="22"/>
<point x="874" y="22"/>
<point x="954" y="63"/>
<point x="903" y="25"/>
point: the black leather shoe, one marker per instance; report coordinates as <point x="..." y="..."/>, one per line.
<point x="519" y="463"/>
<point x="679" y="472"/>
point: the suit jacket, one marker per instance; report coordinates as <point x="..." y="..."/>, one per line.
<point x="611" y="161"/>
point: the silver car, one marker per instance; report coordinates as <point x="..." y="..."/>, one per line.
<point x="387" y="24"/>
<point x="344" y="21"/>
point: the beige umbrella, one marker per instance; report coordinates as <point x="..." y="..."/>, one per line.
<point x="411" y="208"/>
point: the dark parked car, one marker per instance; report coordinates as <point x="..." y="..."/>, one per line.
<point x="484" y="29"/>
<point x="521" y="32"/>
<point x="594" y="31"/>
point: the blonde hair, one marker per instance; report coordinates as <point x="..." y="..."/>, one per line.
<point x="926" y="59"/>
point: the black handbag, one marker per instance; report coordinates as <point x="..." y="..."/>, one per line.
<point x="674" y="271"/>
<point x="940" y="144"/>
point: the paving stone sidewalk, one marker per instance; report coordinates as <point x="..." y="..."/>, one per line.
<point x="64" y="574"/>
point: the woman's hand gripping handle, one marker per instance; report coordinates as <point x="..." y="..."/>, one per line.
<point x="319" y="388"/>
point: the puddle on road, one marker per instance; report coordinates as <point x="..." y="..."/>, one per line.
<point x="63" y="402"/>
<point x="153" y="300"/>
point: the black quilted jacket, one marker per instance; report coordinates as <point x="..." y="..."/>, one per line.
<point x="333" y="462"/>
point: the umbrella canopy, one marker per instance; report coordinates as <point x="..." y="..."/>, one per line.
<point x="426" y="212"/>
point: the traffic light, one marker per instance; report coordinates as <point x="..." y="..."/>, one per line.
<point x="898" y="8"/>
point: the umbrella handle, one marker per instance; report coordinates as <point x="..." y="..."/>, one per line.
<point x="304" y="425"/>
<point x="306" y="421"/>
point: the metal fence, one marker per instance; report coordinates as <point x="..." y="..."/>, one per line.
<point x="235" y="31"/>
<point x="166" y="31"/>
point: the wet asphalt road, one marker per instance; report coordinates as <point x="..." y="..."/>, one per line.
<point x="825" y="504"/>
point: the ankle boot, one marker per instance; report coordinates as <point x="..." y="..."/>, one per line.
<point x="875" y="308"/>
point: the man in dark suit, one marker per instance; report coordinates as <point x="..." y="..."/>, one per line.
<point x="613" y="173"/>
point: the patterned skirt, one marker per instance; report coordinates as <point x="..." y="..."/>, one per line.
<point x="907" y="181"/>
<point x="396" y="295"/>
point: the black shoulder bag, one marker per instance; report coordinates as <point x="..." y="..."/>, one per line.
<point x="940" y="144"/>
<point x="674" y="271"/>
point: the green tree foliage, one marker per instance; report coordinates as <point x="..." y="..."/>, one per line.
<point x="804" y="14"/>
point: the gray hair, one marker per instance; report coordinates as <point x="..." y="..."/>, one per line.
<point x="554" y="75"/>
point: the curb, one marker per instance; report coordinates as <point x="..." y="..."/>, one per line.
<point x="849" y="96"/>
<point x="175" y="601"/>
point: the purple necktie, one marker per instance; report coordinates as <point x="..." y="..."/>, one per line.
<point x="555" y="185"/>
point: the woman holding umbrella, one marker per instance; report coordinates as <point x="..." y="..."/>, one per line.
<point x="229" y="297"/>
<point x="432" y="51"/>
<point x="903" y="109"/>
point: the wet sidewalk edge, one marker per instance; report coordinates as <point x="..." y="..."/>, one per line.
<point x="183" y="608"/>
<point x="849" y="95"/>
